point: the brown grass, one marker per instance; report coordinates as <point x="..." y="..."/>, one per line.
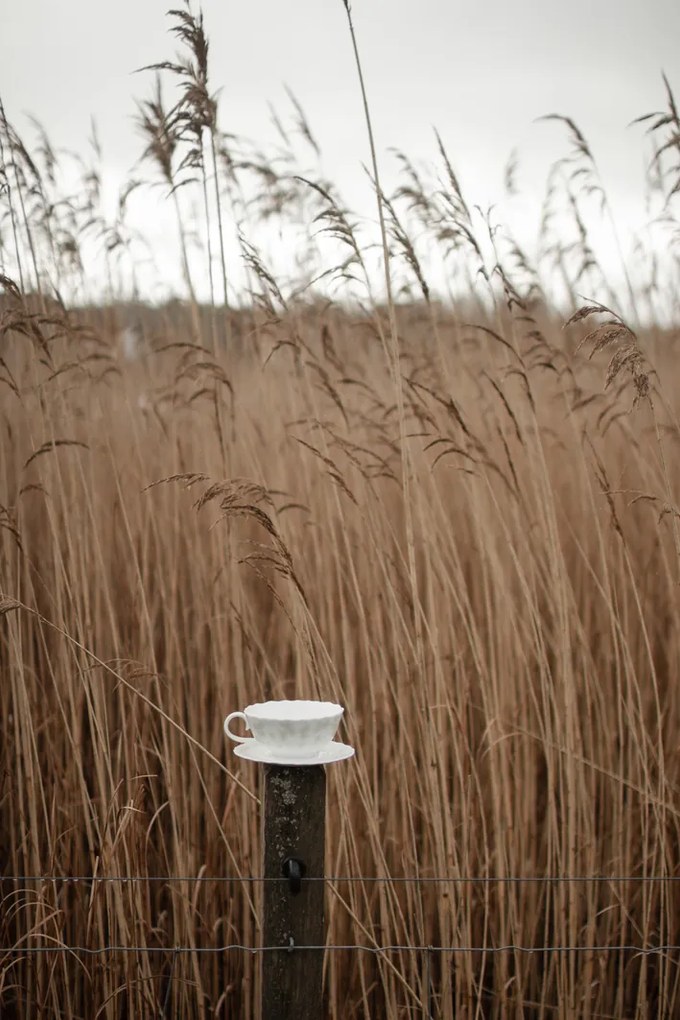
<point x="195" y="529"/>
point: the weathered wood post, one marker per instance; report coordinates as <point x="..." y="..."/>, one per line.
<point x="293" y="842"/>
<point x="293" y="740"/>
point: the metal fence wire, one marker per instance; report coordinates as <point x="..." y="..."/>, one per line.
<point x="178" y="950"/>
<point x="426" y="973"/>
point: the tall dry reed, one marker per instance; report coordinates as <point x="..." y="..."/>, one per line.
<point x="192" y="529"/>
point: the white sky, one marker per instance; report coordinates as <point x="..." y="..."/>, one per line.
<point x="480" y="72"/>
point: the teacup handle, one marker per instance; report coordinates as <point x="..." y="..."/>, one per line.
<point x="235" y="736"/>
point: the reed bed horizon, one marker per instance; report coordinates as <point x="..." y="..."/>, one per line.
<point x="455" y="515"/>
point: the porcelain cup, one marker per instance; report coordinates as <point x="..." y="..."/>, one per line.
<point x="289" y="727"/>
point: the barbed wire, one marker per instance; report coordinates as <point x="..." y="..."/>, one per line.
<point x="389" y="879"/>
<point x="292" y="947"/>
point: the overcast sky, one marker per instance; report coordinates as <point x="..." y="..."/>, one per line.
<point x="481" y="72"/>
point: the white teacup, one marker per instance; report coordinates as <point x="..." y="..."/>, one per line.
<point x="289" y="727"/>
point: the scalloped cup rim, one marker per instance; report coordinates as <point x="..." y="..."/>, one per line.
<point x="294" y="710"/>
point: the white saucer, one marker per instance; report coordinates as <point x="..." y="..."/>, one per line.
<point x="252" y="750"/>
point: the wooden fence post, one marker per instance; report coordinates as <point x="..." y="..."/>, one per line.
<point x="294" y="839"/>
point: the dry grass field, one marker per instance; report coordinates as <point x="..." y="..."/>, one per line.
<point x="459" y="518"/>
